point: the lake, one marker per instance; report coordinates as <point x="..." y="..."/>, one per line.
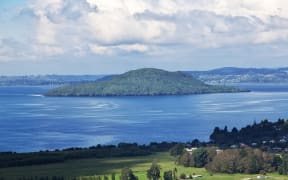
<point x="32" y="122"/>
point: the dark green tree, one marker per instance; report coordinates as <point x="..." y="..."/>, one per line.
<point x="154" y="172"/>
<point x="283" y="168"/>
<point x="175" y="173"/>
<point x="185" y="159"/>
<point x="113" y="177"/>
<point x="177" y="150"/>
<point x="182" y="176"/>
<point x="168" y="175"/>
<point x="127" y="174"/>
<point x="200" y="157"/>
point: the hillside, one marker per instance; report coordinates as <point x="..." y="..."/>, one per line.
<point x="147" y="81"/>
<point x="242" y="75"/>
<point x="36" y="80"/>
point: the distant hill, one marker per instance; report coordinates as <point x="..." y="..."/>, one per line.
<point x="36" y="80"/>
<point x="147" y="81"/>
<point x="242" y="75"/>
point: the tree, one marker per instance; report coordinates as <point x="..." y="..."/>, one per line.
<point x="175" y="173"/>
<point x="154" y="172"/>
<point x="168" y="175"/>
<point x="225" y="162"/>
<point x="177" y="150"/>
<point x="218" y="136"/>
<point x="106" y="178"/>
<point x="185" y="159"/>
<point x="196" y="143"/>
<point x="127" y="174"/>
<point x="200" y="157"/>
<point x="283" y="168"/>
<point x="182" y="176"/>
<point x="255" y="164"/>
<point x="234" y="131"/>
<point x="113" y="176"/>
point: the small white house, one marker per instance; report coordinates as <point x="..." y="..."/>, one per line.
<point x="219" y="151"/>
<point x="254" y="144"/>
<point x="234" y="146"/>
<point x="190" y="150"/>
<point x="272" y="141"/>
<point x="197" y="176"/>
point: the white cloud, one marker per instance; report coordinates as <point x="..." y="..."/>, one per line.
<point x="111" y="50"/>
<point x="115" y="26"/>
<point x="11" y="49"/>
<point x="271" y="36"/>
<point x="47" y="50"/>
<point x="134" y="47"/>
<point x="96" y="49"/>
<point x="46" y="31"/>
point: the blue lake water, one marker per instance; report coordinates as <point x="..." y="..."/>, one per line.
<point x="31" y="122"/>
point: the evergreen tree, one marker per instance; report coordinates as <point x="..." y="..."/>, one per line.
<point x="113" y="177"/>
<point x="168" y="175"/>
<point x="283" y="169"/>
<point x="127" y="174"/>
<point x="200" y="157"/>
<point x="175" y="173"/>
<point x="154" y="172"/>
<point x="177" y="150"/>
<point x="185" y="159"/>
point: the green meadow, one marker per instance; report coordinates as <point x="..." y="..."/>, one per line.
<point x="87" y="168"/>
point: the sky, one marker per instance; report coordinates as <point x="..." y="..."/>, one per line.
<point x="102" y="37"/>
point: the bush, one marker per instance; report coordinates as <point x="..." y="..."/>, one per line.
<point x="182" y="176"/>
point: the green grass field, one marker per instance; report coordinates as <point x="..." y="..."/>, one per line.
<point x="91" y="167"/>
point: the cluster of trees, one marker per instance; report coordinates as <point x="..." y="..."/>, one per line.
<point x="199" y="158"/>
<point x="113" y="177"/>
<point x="40" y="178"/>
<point x="10" y="159"/>
<point x="256" y="133"/>
<point x="243" y="160"/>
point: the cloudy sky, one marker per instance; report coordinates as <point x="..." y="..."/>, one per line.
<point x="112" y="36"/>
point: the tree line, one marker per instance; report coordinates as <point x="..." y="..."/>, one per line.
<point x="12" y="159"/>
<point x="264" y="131"/>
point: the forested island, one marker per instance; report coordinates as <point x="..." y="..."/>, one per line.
<point x="142" y="82"/>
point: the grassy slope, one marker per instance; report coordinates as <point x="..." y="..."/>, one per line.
<point x="89" y="167"/>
